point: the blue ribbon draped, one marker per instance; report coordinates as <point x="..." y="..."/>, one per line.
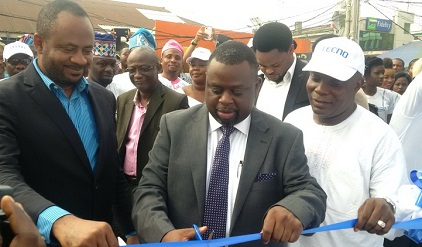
<point x="414" y="233"/>
<point x="416" y="177"/>
<point x="403" y="225"/>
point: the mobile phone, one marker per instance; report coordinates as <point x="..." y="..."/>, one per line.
<point x="208" y="31"/>
<point x="5" y="230"/>
<point x="121" y="32"/>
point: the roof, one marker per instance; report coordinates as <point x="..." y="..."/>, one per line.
<point x="20" y="16"/>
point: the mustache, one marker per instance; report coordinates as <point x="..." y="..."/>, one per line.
<point x="76" y="67"/>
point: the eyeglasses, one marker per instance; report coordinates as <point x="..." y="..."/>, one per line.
<point x="141" y="69"/>
<point x="16" y="61"/>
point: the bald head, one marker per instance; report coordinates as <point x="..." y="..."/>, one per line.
<point x="143" y="51"/>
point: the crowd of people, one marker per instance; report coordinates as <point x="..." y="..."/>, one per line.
<point x="100" y="144"/>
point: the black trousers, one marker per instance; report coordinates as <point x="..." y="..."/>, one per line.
<point x="402" y="241"/>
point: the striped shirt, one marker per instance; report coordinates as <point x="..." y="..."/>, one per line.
<point x="79" y="109"/>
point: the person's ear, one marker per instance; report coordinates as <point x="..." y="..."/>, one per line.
<point x="38" y="43"/>
<point x="359" y="83"/>
<point x="291" y="49"/>
<point x="159" y="68"/>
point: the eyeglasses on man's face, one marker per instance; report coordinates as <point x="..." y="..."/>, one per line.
<point x="16" y="61"/>
<point x="141" y="69"/>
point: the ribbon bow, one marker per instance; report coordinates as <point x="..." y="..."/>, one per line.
<point x="416" y="178"/>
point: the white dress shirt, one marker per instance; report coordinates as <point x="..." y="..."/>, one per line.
<point x="238" y="141"/>
<point x="272" y="96"/>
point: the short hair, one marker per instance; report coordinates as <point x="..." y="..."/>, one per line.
<point x="221" y="39"/>
<point x="124" y="48"/>
<point x="372" y="62"/>
<point x="388" y="62"/>
<point x="234" y="52"/>
<point x="145" y="49"/>
<point x="412" y="62"/>
<point x="400" y="74"/>
<point x="273" y="35"/>
<point x="294" y="44"/>
<point x="48" y="15"/>
<point x="401" y="60"/>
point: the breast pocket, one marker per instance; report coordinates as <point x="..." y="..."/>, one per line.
<point x="264" y="185"/>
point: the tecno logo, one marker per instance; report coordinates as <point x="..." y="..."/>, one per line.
<point x="336" y="50"/>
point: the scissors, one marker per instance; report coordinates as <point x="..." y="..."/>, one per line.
<point x="198" y="234"/>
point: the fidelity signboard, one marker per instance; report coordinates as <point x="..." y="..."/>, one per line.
<point x="380" y="25"/>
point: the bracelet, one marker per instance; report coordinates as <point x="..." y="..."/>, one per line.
<point x="193" y="43"/>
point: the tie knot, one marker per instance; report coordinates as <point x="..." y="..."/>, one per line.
<point x="227" y="130"/>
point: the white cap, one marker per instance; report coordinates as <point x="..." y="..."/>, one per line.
<point x="16" y="48"/>
<point x="200" y="53"/>
<point x="337" y="57"/>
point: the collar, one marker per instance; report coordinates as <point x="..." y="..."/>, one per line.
<point x="137" y="98"/>
<point x="289" y="74"/>
<point x="242" y="126"/>
<point x="80" y="86"/>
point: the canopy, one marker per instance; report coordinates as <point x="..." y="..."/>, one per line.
<point x="406" y="52"/>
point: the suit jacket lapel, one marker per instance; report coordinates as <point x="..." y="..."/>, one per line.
<point x="127" y="115"/>
<point x="96" y="98"/>
<point x="294" y="90"/>
<point x="197" y="137"/>
<point x="154" y="103"/>
<point x="54" y="109"/>
<point x="256" y="150"/>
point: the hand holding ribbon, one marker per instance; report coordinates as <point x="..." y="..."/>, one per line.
<point x="409" y="224"/>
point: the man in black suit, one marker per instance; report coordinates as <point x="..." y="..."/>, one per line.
<point x="58" y="147"/>
<point x="284" y="83"/>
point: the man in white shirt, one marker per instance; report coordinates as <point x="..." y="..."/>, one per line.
<point x="172" y="63"/>
<point x="355" y="157"/>
<point x="284" y="87"/>
<point x="406" y="121"/>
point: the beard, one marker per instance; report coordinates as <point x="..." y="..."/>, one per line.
<point x="57" y="74"/>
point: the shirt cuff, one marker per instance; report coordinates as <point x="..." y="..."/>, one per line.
<point x="46" y="220"/>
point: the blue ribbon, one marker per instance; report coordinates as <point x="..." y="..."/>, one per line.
<point x="416" y="177"/>
<point x="332" y="227"/>
<point x="207" y="243"/>
<point x="403" y="225"/>
<point x="414" y="233"/>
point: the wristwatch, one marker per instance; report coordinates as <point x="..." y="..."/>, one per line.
<point x="193" y="43"/>
<point x="392" y="204"/>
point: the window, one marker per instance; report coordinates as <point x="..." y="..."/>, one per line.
<point x="406" y="28"/>
<point x="375" y="41"/>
